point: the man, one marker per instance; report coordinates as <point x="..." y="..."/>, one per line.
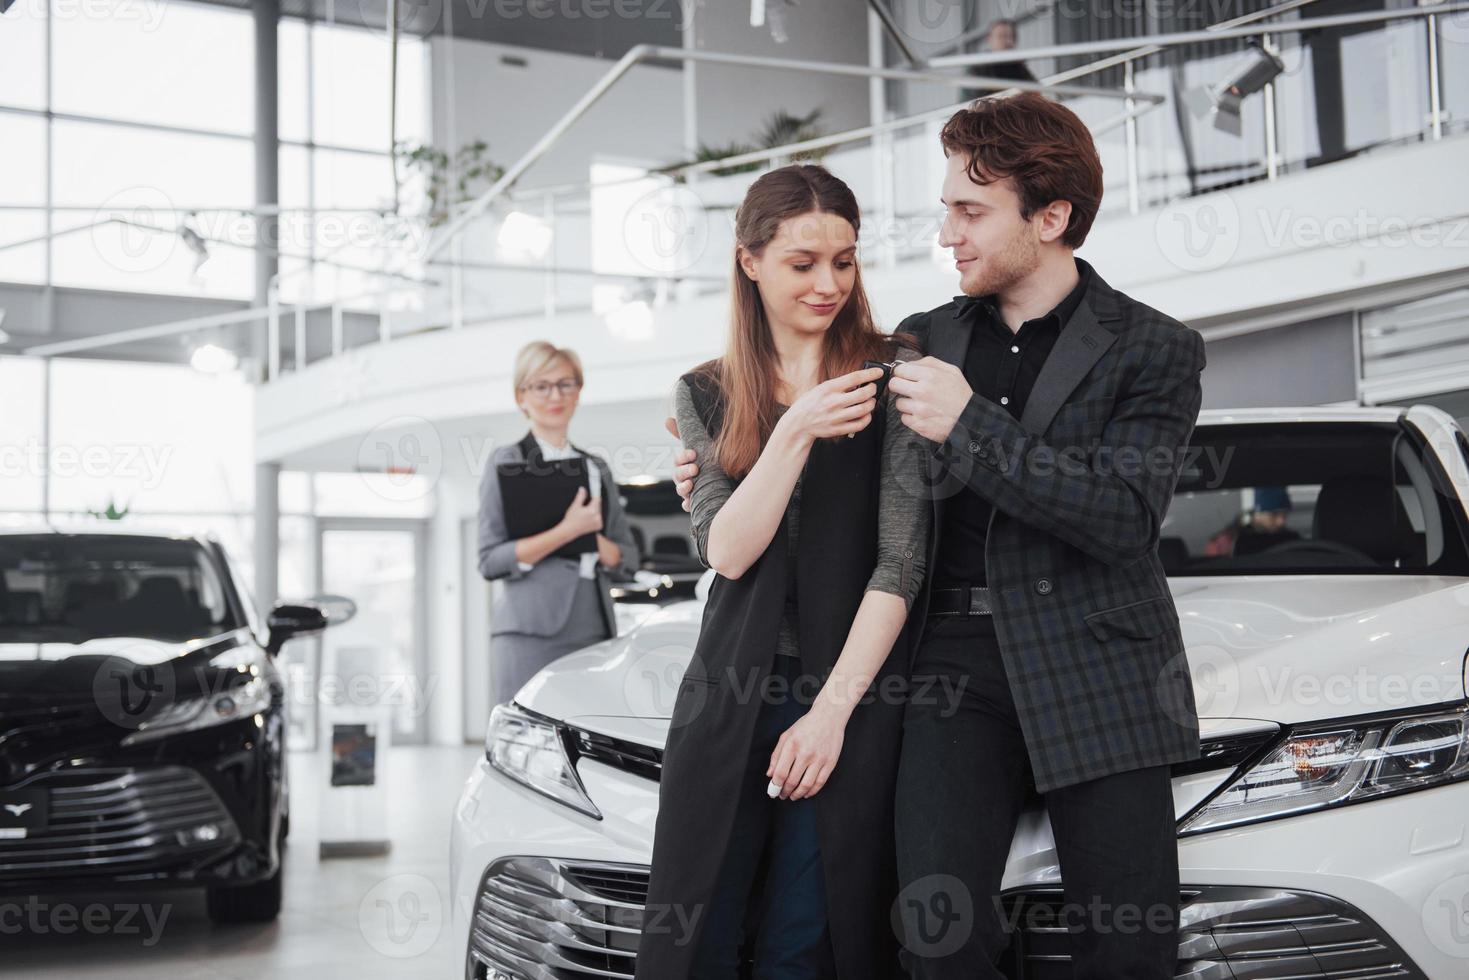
<point x="1059" y="409"/>
<point x="999" y="37"/>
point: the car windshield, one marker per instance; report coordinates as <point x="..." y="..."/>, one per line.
<point x="71" y="588"/>
<point x="1312" y="498"/>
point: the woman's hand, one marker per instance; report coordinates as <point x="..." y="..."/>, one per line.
<point x="609" y="552"/>
<point x="807" y="752"/>
<point x="584" y="516"/>
<point x="840" y="407"/>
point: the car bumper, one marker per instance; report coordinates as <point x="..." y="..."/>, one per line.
<point x="1377" y="889"/>
<point x="200" y="808"/>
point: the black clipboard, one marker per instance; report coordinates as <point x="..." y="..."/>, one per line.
<point x="536" y="493"/>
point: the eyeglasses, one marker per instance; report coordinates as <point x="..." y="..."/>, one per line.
<point x="542" y="389"/>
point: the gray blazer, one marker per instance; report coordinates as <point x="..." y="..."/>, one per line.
<point x="538" y="602"/>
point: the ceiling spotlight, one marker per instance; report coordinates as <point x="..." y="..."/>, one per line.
<point x="196" y="244"/>
<point x="213" y="359"/>
<point x="523" y="237"/>
<point x="632" y="321"/>
<point x="1224" y="99"/>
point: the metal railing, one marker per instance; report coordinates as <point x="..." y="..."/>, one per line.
<point x="1128" y="54"/>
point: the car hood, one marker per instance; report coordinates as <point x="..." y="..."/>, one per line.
<point x="1282" y="649"/>
<point x="84" y="699"/>
<point x="141" y="650"/>
<point x="82" y="672"/>
<point x="1294" y="649"/>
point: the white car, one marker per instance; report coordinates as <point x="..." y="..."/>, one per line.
<point x="1322" y="833"/>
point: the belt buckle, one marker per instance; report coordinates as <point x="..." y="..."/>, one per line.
<point x="979" y="601"/>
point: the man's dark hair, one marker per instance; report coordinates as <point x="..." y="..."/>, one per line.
<point x="1041" y="146"/>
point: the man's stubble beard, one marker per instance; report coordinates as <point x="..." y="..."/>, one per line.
<point x="1019" y="257"/>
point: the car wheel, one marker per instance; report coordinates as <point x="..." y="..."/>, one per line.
<point x="260" y="902"/>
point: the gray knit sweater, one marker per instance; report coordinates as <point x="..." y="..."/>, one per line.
<point x="904" y="517"/>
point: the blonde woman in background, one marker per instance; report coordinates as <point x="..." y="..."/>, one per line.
<point x="551" y="605"/>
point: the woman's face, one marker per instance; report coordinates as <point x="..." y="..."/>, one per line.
<point x="549" y="398"/>
<point x="807" y="271"/>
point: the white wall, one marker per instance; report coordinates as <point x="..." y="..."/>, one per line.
<point x="477" y="94"/>
<point x="1211" y="261"/>
<point x="735" y="102"/>
<point x="509" y="97"/>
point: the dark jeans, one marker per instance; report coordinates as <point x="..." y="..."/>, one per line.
<point x="779" y="839"/>
<point x="962" y="781"/>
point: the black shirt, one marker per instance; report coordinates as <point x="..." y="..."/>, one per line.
<point x="1001" y="366"/>
<point x="1016" y="71"/>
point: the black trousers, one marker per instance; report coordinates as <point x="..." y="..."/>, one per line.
<point x="962" y="781"/>
<point x="773" y="860"/>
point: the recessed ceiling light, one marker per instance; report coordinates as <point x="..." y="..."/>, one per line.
<point x="213" y="359"/>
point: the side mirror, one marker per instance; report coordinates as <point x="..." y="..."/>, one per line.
<point x="337" y="608"/>
<point x="289" y="619"/>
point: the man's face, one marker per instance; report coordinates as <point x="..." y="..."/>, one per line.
<point x="993" y="246"/>
<point x="1001" y="37"/>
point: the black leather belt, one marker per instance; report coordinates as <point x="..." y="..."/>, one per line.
<point x="960" y="601"/>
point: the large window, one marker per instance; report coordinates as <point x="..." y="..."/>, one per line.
<point x="74" y="589"/>
<point x="1313" y="498"/>
<point x="130" y="435"/>
<point x="175" y="64"/>
<point x="150" y="127"/>
<point x="21" y="465"/>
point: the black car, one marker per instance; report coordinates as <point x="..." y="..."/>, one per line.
<point x="142" y="719"/>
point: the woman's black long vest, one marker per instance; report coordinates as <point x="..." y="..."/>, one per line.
<point x="718" y="701"/>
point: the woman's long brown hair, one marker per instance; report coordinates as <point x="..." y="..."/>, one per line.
<point x="746" y="374"/>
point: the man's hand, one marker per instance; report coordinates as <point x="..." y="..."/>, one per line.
<point x="931" y="396"/>
<point x="685" y="468"/>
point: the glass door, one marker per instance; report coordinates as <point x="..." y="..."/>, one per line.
<point x="379" y="656"/>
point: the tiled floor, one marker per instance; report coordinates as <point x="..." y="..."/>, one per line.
<point x="364" y="918"/>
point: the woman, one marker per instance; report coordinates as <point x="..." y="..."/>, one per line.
<point x="551" y="604"/>
<point x="776" y="807"/>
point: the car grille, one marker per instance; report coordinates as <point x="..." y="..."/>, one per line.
<point x="544" y="919"/>
<point x="30" y="721"/>
<point x="1228" y="933"/>
<point x="619" y="753"/>
<point x="115" y="821"/>
<point x="645" y="761"/>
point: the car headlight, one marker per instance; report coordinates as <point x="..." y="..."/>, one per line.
<point x="532" y="751"/>
<point x="1324" y="766"/>
<point x="218" y="708"/>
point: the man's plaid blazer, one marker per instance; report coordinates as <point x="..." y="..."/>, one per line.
<point x="1080" y="485"/>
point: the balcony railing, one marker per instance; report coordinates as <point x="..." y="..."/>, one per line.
<point x="665" y="233"/>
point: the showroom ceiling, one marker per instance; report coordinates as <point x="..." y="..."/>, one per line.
<point x="585" y="28"/>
